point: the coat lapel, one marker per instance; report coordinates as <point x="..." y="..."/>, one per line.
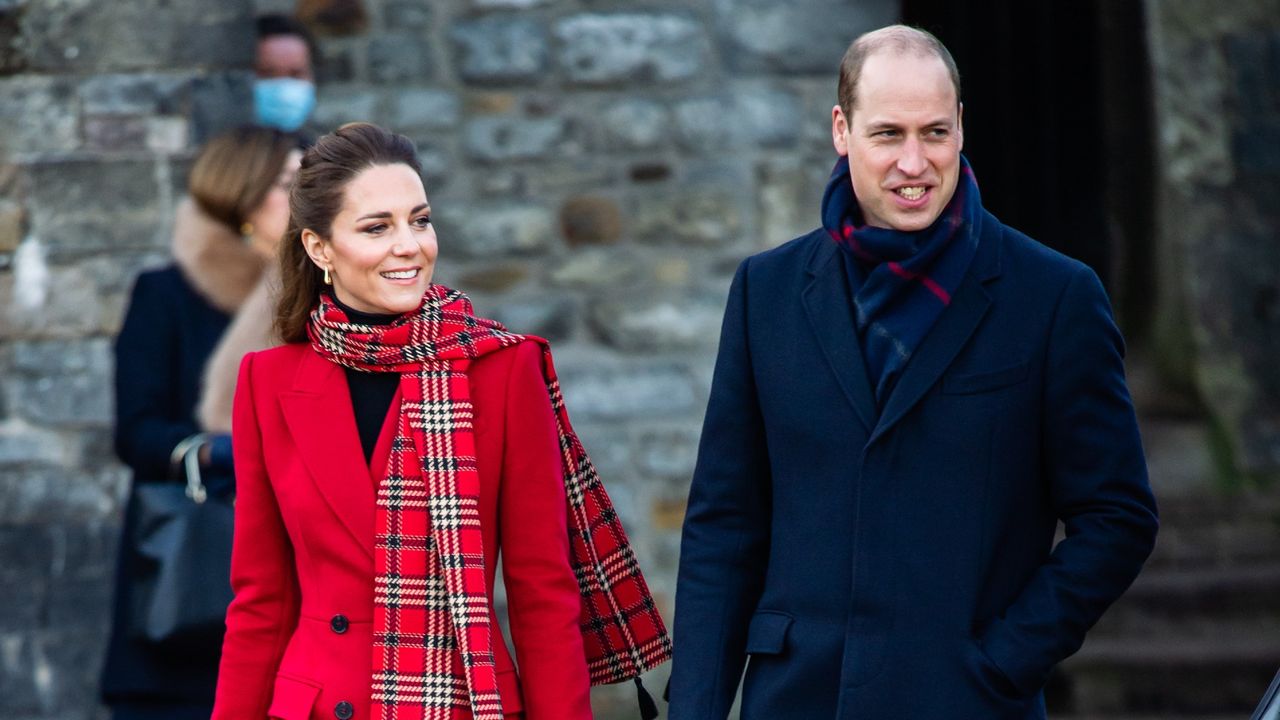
<point x="830" y="310"/>
<point x="950" y="332"/>
<point x="320" y="418"/>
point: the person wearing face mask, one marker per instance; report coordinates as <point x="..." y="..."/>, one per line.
<point x="284" y="90"/>
<point x="224" y="238"/>
<point x="385" y="457"/>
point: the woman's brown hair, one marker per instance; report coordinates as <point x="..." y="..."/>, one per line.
<point x="317" y="195"/>
<point x="234" y="171"/>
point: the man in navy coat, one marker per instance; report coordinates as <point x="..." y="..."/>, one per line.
<point x="906" y="403"/>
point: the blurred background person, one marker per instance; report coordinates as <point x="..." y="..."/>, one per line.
<point x="224" y="236"/>
<point x="284" y="89"/>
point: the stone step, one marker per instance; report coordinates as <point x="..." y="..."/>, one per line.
<point x="1217" y="529"/>
<point x="1175" y="674"/>
<point x="1197" y="603"/>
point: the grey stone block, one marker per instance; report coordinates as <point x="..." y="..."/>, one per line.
<point x="635" y="124"/>
<point x="495" y="232"/>
<point x="688" y="215"/>
<point x="437" y="163"/>
<point x="631" y="391"/>
<point x="631" y="48"/>
<point x="22" y="443"/>
<point x="62" y="383"/>
<point x="596" y="269"/>
<point x="24" y="659"/>
<point x="94" y="204"/>
<point x="337" y="105"/>
<point x="668" y="454"/>
<point x="550" y="318"/>
<point x="91" y="36"/>
<point x="512" y="138"/>
<point x="220" y="102"/>
<point x="115" y="132"/>
<point x="118" y="94"/>
<point x="802" y="36"/>
<point x="658" y="324"/>
<point x="771" y="116"/>
<point x="507" y="4"/>
<point x="42" y="494"/>
<point x="400" y="58"/>
<point x="500" y="49"/>
<point x="789" y="195"/>
<point x="406" y="15"/>
<point x="751" y="115"/>
<point x="80" y="602"/>
<point x="39" y="115"/>
<point x="417" y="108"/>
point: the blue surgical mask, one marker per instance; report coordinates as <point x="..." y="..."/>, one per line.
<point x="283" y="103"/>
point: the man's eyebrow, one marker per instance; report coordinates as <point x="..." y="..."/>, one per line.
<point x="888" y="125"/>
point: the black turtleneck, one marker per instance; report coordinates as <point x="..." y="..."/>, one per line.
<point x="371" y="392"/>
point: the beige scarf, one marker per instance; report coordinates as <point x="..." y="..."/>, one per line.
<point x="236" y="279"/>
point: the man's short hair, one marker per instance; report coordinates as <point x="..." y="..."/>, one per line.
<point x="897" y="39"/>
<point x="273" y="24"/>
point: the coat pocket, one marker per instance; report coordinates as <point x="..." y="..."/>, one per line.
<point x="509" y="691"/>
<point x="293" y="698"/>
<point x="970" y="383"/>
<point x="767" y="633"/>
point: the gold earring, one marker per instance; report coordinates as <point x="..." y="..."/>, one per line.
<point x="327" y="280"/>
<point x="246" y="229"/>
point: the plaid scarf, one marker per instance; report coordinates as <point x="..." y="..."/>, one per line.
<point x="901" y="281"/>
<point x="432" y="649"/>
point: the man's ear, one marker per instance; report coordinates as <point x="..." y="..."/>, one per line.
<point x="839" y="131"/>
<point x="317" y="249"/>
<point x="960" y="125"/>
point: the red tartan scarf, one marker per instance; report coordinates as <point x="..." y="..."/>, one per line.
<point x="431" y="603"/>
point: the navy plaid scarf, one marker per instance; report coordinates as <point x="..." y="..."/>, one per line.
<point x="901" y="281"/>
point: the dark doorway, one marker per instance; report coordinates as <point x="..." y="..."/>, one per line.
<point x="1057" y="119"/>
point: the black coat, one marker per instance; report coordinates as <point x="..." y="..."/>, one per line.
<point x="169" y="332"/>
<point x="900" y="563"/>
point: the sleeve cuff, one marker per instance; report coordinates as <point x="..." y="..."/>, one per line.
<point x="220" y="456"/>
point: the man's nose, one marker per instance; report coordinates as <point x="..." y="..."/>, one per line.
<point x="912" y="161"/>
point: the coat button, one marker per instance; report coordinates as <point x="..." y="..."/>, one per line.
<point x="343" y="710"/>
<point x="339" y="624"/>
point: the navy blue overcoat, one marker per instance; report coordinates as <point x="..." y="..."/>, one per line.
<point x="900" y="563"/>
<point x="168" y="334"/>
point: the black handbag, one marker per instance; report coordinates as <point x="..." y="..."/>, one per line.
<point x="182" y="536"/>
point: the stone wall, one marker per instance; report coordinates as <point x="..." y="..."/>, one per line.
<point x="101" y="104"/>
<point x="1216" y="70"/>
<point x="598" y="168"/>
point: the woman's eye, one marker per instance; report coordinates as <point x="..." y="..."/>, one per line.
<point x="374" y="229"/>
<point x="422" y="221"/>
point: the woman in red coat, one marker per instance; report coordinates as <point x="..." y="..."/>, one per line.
<point x="384" y="457"/>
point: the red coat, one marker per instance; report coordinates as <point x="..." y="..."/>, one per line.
<point x="299" y="632"/>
